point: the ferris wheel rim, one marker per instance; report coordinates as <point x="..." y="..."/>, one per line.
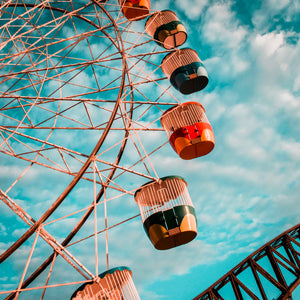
<point x="130" y="85"/>
<point x="98" y="145"/>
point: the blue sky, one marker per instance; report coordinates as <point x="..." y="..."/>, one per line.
<point x="245" y="192"/>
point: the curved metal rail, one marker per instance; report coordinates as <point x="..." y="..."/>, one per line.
<point x="87" y="214"/>
<point x="75" y="180"/>
<point x="18" y="243"/>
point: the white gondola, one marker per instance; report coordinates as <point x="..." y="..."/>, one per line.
<point x="114" y="284"/>
<point x="167" y="212"/>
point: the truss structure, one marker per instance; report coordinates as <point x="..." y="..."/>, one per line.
<point x="271" y="272"/>
<point x="76" y="110"/>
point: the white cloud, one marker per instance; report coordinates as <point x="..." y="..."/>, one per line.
<point x="160" y="264"/>
<point x="268" y="43"/>
<point x="192" y="8"/>
<point x="226" y="67"/>
<point x="278" y="4"/>
<point x="275" y="11"/>
<point x="296" y="86"/>
<point x="221" y="28"/>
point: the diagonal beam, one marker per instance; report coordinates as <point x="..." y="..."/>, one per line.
<point x="258" y="282"/>
<point x="235" y="287"/>
<point x="289" y="265"/>
<point x="291" y="252"/>
<point x="245" y="288"/>
<point x="268" y="276"/>
<point x="275" y="266"/>
<point x="47" y="237"/>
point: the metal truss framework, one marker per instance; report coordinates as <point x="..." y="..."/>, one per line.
<point x="271" y="272"/>
<point x="70" y="69"/>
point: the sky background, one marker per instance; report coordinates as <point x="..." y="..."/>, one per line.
<point x="246" y="191"/>
<point x="247" y="188"/>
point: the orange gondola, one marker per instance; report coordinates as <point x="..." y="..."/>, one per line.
<point x="167" y="212"/>
<point x="166" y="29"/>
<point x="135" y="10"/>
<point x="188" y="129"/>
<point x="185" y="70"/>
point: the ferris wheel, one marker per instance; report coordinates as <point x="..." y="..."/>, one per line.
<point x="87" y="105"/>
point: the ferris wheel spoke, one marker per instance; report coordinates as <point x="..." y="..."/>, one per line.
<point x="138" y="162"/>
<point x="26" y="35"/>
<point x="64" y="151"/>
<point x="67" y="240"/>
<point x="49" y="275"/>
<point x="64" y="56"/>
<point x="27" y="264"/>
<point x="67" y="169"/>
<point x="30" y="125"/>
<point x="59" y="54"/>
<point x="48" y="238"/>
<point x="103" y="230"/>
<point x="29" y="232"/>
<point x="141" y="77"/>
<point x="25" y="236"/>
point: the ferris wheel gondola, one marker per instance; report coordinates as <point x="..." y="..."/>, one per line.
<point x="167" y="212"/>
